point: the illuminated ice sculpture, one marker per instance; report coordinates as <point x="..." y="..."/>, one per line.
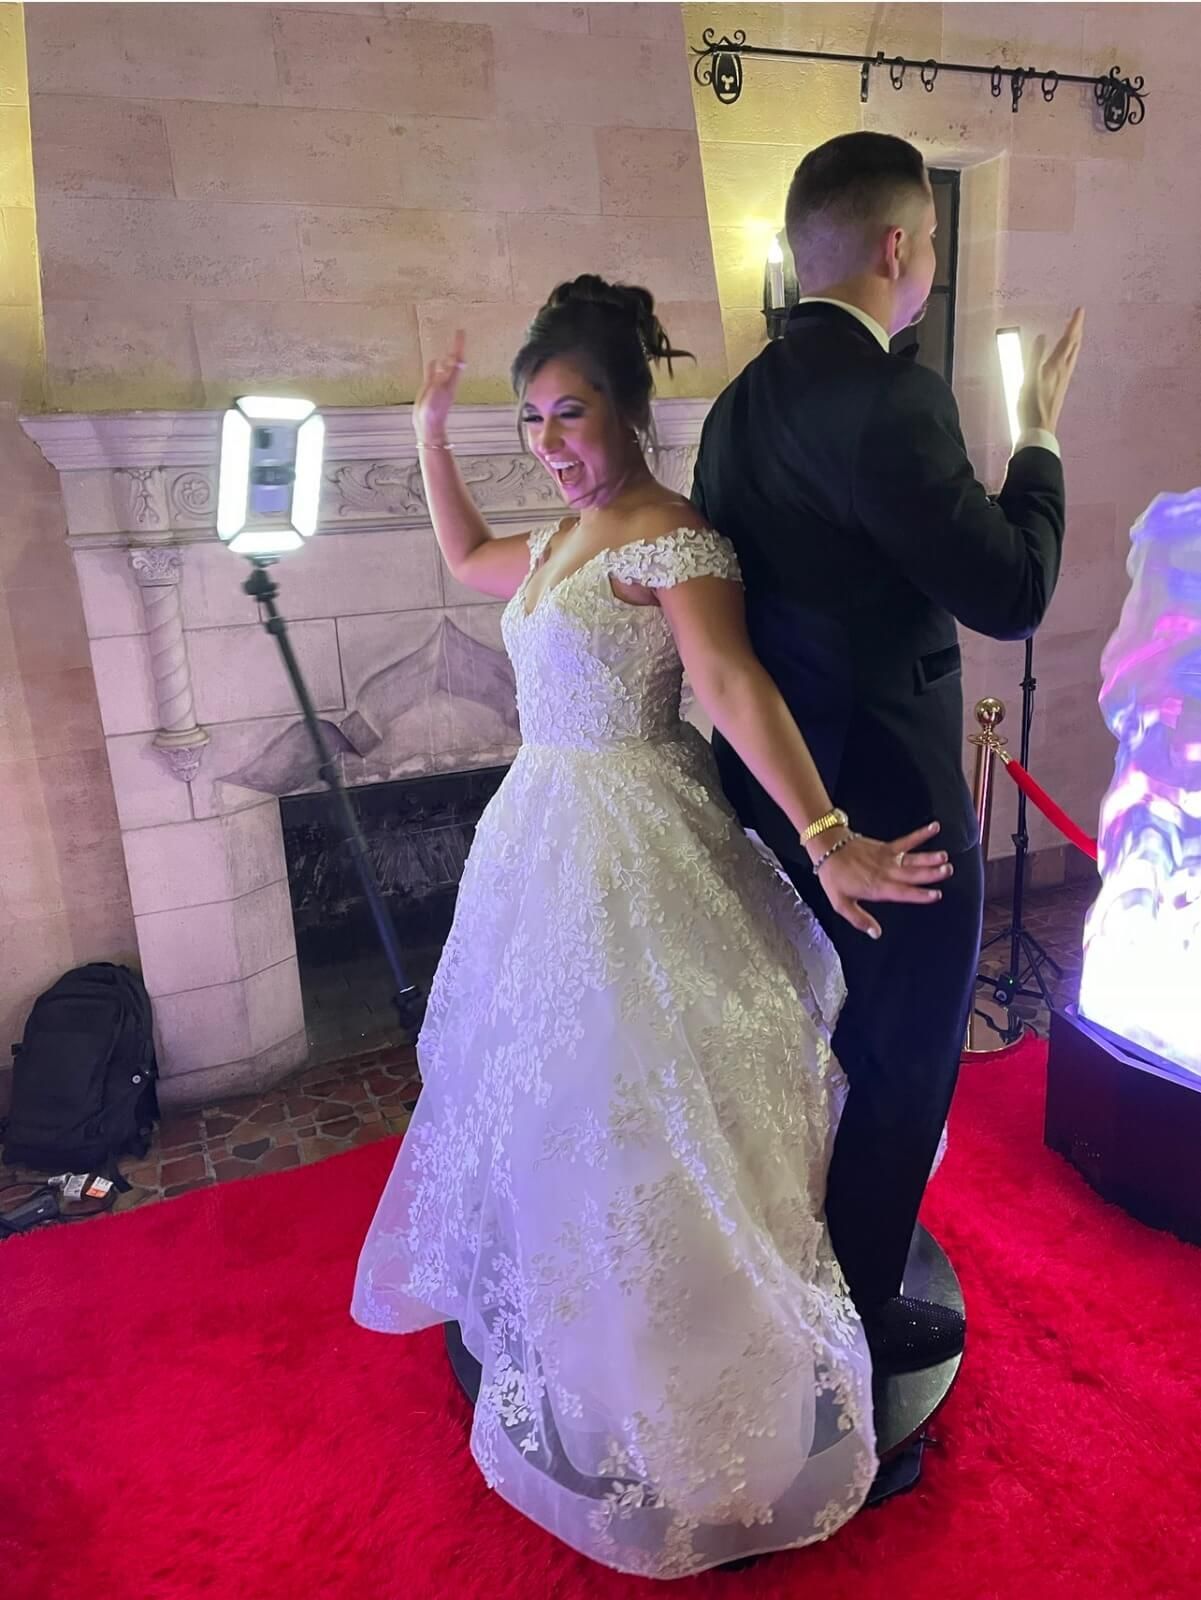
<point x="1142" y="958"/>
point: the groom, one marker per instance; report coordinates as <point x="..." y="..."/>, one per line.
<point x="839" y="472"/>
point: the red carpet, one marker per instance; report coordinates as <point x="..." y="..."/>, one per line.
<point x="187" y="1410"/>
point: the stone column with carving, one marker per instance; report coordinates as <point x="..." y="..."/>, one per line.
<point x="180" y="737"/>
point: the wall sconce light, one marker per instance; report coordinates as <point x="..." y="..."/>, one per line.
<point x="780" y="289"/>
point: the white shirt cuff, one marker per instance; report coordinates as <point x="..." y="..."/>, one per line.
<point x="1041" y="439"/>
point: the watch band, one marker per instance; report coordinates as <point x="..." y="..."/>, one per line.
<point x="832" y="819"/>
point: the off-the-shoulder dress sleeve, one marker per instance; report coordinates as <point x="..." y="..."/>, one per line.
<point x="674" y="558"/>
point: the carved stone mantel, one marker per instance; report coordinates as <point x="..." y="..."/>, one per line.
<point x="153" y="474"/>
<point x="148" y="480"/>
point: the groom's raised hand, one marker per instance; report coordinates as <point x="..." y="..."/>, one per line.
<point x="1048" y="377"/>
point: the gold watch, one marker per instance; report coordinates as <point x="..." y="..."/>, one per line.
<point x="832" y="819"/>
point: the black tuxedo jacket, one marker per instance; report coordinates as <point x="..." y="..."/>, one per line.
<point x="839" y="472"/>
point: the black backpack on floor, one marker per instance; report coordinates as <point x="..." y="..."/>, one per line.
<point x="83" y="1090"/>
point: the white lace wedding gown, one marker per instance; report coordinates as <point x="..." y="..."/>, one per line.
<point x="614" y="1177"/>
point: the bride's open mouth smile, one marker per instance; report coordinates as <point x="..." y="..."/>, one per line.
<point x="566" y="470"/>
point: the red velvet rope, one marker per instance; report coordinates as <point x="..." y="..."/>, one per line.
<point x="1038" y="796"/>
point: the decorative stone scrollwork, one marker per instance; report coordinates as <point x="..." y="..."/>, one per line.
<point x="191" y="498"/>
<point x="144" y="495"/>
<point x="509" y="483"/>
<point x="155" y="565"/>
<point x="377" y="489"/>
<point x="180" y="737"/>
<point x="392" y="490"/>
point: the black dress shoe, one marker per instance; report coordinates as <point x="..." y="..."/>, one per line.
<point x="906" y="1334"/>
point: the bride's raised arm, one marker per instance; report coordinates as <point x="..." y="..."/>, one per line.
<point x="474" y="554"/>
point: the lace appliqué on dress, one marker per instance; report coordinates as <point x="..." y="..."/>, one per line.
<point x="675" y="558"/>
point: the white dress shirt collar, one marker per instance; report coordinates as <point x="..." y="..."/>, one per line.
<point x="870" y="323"/>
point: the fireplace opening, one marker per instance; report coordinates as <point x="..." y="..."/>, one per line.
<point x="418" y="831"/>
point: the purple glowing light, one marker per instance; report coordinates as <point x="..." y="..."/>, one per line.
<point x="1142" y="941"/>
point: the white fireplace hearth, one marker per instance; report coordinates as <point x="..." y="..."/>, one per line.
<point x="405" y="666"/>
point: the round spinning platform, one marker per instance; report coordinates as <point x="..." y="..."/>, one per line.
<point x="905" y="1402"/>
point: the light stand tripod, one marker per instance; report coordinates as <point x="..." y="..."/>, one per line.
<point x="1027" y="958"/>
<point x="408" y="998"/>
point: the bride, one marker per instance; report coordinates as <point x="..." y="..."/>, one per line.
<point x="615" y="1175"/>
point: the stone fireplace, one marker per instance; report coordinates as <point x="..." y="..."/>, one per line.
<point x="418" y="832"/>
<point x="406" y="668"/>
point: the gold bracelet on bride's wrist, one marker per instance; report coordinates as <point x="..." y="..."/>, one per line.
<point x="838" y="845"/>
<point x="433" y="444"/>
<point x="832" y="819"/>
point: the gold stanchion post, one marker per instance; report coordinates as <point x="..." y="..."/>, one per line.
<point x="983" y="1040"/>
<point x="990" y="714"/>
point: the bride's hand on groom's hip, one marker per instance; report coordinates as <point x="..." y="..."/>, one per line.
<point x="868" y="869"/>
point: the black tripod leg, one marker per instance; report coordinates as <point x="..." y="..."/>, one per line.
<point x="409" y="1000"/>
<point x="1026" y="956"/>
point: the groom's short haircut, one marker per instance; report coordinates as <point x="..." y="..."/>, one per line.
<point x="841" y="195"/>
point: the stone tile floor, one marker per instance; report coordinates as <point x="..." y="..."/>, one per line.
<point x="328" y="1108"/>
<point x="370" y="1090"/>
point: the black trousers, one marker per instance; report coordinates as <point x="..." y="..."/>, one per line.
<point x="899" y="1040"/>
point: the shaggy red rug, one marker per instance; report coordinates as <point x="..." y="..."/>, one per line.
<point x="187" y="1410"/>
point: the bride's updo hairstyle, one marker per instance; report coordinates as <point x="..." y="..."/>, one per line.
<point x="611" y="333"/>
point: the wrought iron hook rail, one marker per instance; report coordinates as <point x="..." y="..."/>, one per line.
<point x="718" y="65"/>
